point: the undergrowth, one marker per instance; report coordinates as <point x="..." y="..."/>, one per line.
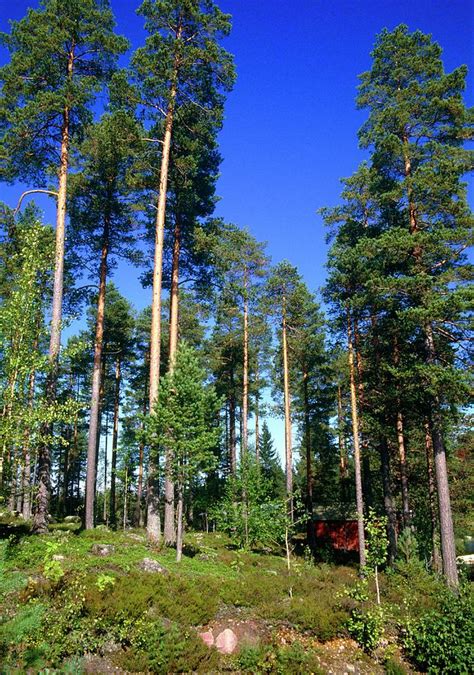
<point x="149" y="622"/>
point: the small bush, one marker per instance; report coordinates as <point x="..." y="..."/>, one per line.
<point x="156" y="649"/>
<point x="366" y="627"/>
<point x="279" y="660"/>
<point x="174" y="598"/>
<point x="441" y="642"/>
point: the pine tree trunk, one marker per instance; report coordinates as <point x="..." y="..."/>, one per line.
<point x="307" y="438"/>
<point x="139" y="515"/>
<point x="448" y="547"/>
<point x="174" y="297"/>
<point x="153" y="520"/>
<point x="401" y="446"/>
<point x="43" y="494"/>
<point x="355" y="434"/>
<point x="287" y="404"/>
<point x="343" y="469"/>
<point x="364" y="441"/>
<point x="113" y="464"/>
<point x="62" y="487"/>
<point x="403" y="470"/>
<point x="97" y="376"/>
<point x="436" y="558"/>
<point x="388" y="500"/>
<point x="245" y="374"/>
<point x="169" y="524"/>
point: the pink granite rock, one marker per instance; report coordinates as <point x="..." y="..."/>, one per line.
<point x="207" y="637"/>
<point x="226" y="642"/>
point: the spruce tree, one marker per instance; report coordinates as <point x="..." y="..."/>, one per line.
<point x="184" y="419"/>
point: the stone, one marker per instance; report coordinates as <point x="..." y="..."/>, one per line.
<point x="72" y="519"/>
<point x="204" y="557"/>
<point x="207" y="637"/>
<point x="103" y="550"/>
<point x="58" y="557"/>
<point x="151" y="565"/>
<point x="226" y="642"/>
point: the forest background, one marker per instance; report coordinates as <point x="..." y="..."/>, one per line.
<point x="291" y="123"/>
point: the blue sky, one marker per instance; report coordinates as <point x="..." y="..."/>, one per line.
<point x="291" y="124"/>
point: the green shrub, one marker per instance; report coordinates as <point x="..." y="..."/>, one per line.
<point x="175" y="598"/>
<point x="441" y="642"/>
<point x="366" y="627"/>
<point x="156" y="649"/>
<point x="294" y="659"/>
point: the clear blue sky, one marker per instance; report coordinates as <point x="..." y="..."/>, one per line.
<point x="291" y="125"/>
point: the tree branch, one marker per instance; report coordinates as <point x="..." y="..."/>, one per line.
<point x="29" y="192"/>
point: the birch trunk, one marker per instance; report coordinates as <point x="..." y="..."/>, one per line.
<point x="257" y="414"/>
<point x="113" y="464"/>
<point x="26" y="477"/>
<point x="232" y="437"/>
<point x="179" y="536"/>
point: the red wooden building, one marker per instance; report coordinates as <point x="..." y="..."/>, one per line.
<point x="337" y="530"/>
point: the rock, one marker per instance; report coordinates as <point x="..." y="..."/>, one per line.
<point x="226" y="642"/>
<point x="350" y="668"/>
<point x="207" y="637"/>
<point x="204" y="557"/>
<point x="151" y="565"/>
<point x="135" y="537"/>
<point x="103" y="549"/>
<point x="72" y="519"/>
<point x="58" y="557"/>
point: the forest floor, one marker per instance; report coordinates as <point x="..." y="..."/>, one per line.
<point x="104" y="601"/>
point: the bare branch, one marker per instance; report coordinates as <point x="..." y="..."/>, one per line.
<point x="29" y="192"/>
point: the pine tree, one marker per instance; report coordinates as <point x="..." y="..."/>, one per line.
<point x="104" y="225"/>
<point x="416" y="126"/>
<point x="61" y="55"/>
<point x="181" y="63"/>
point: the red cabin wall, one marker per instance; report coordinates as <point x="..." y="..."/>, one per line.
<point x="342" y="535"/>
